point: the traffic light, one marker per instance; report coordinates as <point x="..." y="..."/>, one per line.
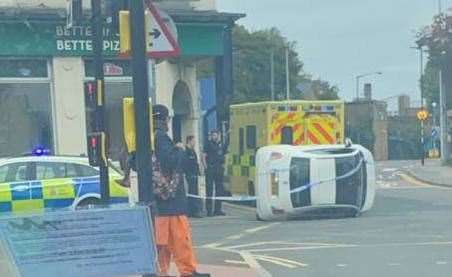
<point x="74" y="13"/>
<point x="96" y="149"/>
<point x="124" y="33"/>
<point x="113" y="8"/>
<point x="91" y="97"/>
<point x="93" y="104"/>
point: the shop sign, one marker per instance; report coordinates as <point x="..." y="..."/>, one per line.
<point x="78" y="40"/>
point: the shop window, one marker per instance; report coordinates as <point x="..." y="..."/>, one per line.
<point x="251" y="137"/>
<point x="25" y="121"/>
<point x="16" y="68"/>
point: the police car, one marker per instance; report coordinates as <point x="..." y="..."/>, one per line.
<point x="314" y="181"/>
<point x="38" y="182"/>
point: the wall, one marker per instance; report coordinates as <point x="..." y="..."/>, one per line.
<point x="167" y="76"/>
<point x="69" y="106"/>
<point x="366" y="124"/>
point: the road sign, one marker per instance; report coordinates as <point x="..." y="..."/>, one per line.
<point x="422" y="115"/>
<point x="435" y="132"/>
<point x="160" y="41"/>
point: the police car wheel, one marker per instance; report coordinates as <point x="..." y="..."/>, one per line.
<point x="85" y="203"/>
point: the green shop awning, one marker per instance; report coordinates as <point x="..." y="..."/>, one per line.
<point x="53" y="39"/>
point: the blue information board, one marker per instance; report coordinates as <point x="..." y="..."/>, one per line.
<point x="96" y="242"/>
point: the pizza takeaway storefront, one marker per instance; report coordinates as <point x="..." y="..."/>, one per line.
<point x="44" y="65"/>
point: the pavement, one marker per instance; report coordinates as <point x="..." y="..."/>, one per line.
<point x="432" y="172"/>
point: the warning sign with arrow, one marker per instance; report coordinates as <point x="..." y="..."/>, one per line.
<point x="160" y="41"/>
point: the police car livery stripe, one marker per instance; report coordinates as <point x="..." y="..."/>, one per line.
<point x="54" y="193"/>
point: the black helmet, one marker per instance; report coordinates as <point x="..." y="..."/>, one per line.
<point x="160" y="112"/>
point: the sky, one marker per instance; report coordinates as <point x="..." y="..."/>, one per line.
<point x="340" y="39"/>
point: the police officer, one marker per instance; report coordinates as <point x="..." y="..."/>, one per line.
<point x="191" y="174"/>
<point x="213" y="160"/>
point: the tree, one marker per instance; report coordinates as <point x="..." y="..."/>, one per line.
<point x="430" y="83"/>
<point x="252" y="52"/>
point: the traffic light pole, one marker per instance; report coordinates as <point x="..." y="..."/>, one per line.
<point x="141" y="101"/>
<point x="97" y="28"/>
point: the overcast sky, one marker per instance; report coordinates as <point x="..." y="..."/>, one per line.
<point x="339" y="39"/>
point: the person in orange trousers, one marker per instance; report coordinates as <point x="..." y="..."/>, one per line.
<point x="172" y="229"/>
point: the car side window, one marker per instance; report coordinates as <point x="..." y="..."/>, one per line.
<point x="71" y="170"/>
<point x="50" y="170"/>
<point x="15" y="172"/>
<point x="87" y="171"/>
<point x="3" y="173"/>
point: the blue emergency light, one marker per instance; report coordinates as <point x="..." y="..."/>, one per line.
<point x="40" y="151"/>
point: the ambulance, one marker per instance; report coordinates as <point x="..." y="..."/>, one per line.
<point x="297" y="122"/>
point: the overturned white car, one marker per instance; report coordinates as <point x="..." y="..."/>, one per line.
<point x="313" y="181"/>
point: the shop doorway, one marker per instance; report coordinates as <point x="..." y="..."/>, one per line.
<point x="182" y="122"/>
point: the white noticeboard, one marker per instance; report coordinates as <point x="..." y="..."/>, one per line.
<point x="160" y="40"/>
<point x="96" y="242"/>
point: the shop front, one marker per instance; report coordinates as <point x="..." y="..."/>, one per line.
<point x="44" y="65"/>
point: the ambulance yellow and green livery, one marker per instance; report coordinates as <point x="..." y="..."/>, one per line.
<point x="297" y="122"/>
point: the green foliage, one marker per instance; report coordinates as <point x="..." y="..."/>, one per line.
<point x="430" y="83"/>
<point x="252" y="52"/>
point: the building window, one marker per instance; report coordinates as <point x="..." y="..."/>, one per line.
<point x="251" y="137"/>
<point x="241" y="141"/>
<point x="25" y="105"/>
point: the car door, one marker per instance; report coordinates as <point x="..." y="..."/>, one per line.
<point x="14" y="186"/>
<point x="57" y="185"/>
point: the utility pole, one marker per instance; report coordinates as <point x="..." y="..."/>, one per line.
<point x="287" y="74"/>
<point x="141" y="101"/>
<point x="443" y="120"/>
<point x="357" y="87"/>
<point x="272" y="75"/>
<point x="97" y="27"/>
<point x="421" y="73"/>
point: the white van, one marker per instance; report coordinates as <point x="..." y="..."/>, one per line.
<point x="313" y="181"/>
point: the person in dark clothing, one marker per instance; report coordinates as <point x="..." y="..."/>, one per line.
<point x="213" y="158"/>
<point x="191" y="174"/>
<point x="172" y="229"/>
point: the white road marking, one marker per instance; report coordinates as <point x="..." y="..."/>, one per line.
<point x="234" y="262"/>
<point x="287" y="261"/>
<point x="276" y="262"/>
<point x="394" y="264"/>
<point x="312" y="247"/>
<point x="260" y="228"/>
<point x="254" y="244"/>
<point x="251" y="261"/>
<point x="389" y="169"/>
<point x="342" y="265"/>
<point x="441" y="262"/>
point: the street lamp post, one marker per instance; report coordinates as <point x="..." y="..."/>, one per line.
<point x="362" y="76"/>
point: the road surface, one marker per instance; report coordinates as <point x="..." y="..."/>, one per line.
<point x="407" y="233"/>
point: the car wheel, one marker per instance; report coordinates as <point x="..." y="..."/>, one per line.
<point x="88" y="202"/>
